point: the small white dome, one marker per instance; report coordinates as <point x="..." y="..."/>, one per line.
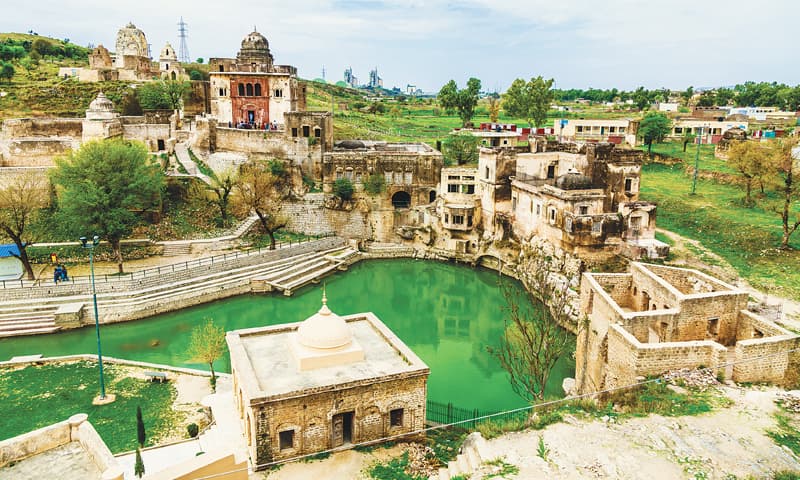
<point x="324" y="329"/>
<point x="101" y="104"/>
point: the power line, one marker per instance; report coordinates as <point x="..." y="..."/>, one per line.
<point x="658" y="379"/>
<point x="183" y="50"/>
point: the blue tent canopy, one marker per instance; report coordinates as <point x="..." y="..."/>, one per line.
<point x="9" y="250"/>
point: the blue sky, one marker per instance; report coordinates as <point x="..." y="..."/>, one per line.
<point x="580" y="43"/>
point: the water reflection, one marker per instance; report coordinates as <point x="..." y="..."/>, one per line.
<point x="447" y="314"/>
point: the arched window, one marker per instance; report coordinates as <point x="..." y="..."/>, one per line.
<point x="173" y="75"/>
<point x="249" y="89"/>
<point x="258" y="89"/>
<point x="241" y="90"/>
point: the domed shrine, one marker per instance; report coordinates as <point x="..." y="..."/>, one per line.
<point x="326" y="382"/>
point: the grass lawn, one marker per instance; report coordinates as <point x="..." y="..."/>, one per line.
<point x="745" y="237"/>
<point x="36" y="396"/>
<point x="708" y="161"/>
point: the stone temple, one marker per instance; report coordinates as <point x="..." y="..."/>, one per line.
<point x="323" y="383"/>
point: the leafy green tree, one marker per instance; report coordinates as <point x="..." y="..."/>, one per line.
<point x="707" y="99"/>
<point x="138" y="467"/>
<point x="787" y="167"/>
<point x="494" y="107"/>
<point x="463" y="101"/>
<point x="6" y="71"/>
<point x="752" y="162"/>
<point x="375" y="184"/>
<point x="207" y="343"/>
<point x="21" y="200"/>
<point x="653" y="128"/>
<point x="641" y="98"/>
<point x="103" y="185"/>
<point x="195" y="75"/>
<point x="199" y="60"/>
<point x="460" y="148"/>
<point x="343" y="188"/>
<point x="686" y="95"/>
<point x="222" y="185"/>
<point x="530" y="100"/>
<point x="163" y="94"/>
<point x="141" y="435"/>
<point x="262" y="192"/>
<point x="724" y="96"/>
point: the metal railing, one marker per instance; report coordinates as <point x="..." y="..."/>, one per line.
<point x="447" y="413"/>
<point x="160" y="270"/>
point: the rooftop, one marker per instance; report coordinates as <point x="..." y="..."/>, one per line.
<point x="267" y="366"/>
<point x="378" y="146"/>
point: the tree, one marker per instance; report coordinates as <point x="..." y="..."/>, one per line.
<point x="163" y="94"/>
<point x="641" y="98"/>
<point x="261" y="193"/>
<point x="343" y="188"/>
<point x="530" y="100"/>
<point x="707" y="99"/>
<point x="102" y="186"/>
<point x="724" y="96"/>
<point x="463" y="101"/>
<point x="534" y="338"/>
<point x="207" y="343"/>
<point x="199" y="60"/>
<point x="223" y="184"/>
<point x="6" y="71"/>
<point x="653" y="128"/>
<point x="688" y="137"/>
<point x="783" y="156"/>
<point x="460" y="148"/>
<point x="138" y="467"/>
<point x="494" y="107"/>
<point x="195" y="75"/>
<point x="686" y="95"/>
<point x="20" y="202"/>
<point x="752" y="161"/>
<point x="141" y="436"/>
<point x="375" y="184"/>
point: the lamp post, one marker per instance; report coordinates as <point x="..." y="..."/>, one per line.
<point x="90" y="246"/>
<point x="697" y="161"/>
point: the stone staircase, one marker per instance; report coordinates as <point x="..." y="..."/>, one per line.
<point x="474" y="452"/>
<point x="174" y="249"/>
<point x="389" y="250"/>
<point x="31" y="321"/>
<point x="309" y="270"/>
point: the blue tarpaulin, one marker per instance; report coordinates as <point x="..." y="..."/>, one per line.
<point x="9" y="250"/>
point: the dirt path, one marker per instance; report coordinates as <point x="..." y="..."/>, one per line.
<point x="692" y="254"/>
<point x="730" y="441"/>
<point x="349" y="464"/>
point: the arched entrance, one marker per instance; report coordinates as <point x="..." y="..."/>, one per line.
<point x="432" y="196"/>
<point x="401" y="199"/>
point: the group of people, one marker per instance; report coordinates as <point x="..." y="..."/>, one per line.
<point x="255" y="126"/>
<point x="60" y="274"/>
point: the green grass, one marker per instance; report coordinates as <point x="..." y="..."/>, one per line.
<point x="394" y="469"/>
<point x="37" y="396"/>
<point x="788" y="432"/>
<point x="745" y="237"/>
<point x="708" y="162"/>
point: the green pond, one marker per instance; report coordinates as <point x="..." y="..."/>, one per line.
<point x="448" y="314"/>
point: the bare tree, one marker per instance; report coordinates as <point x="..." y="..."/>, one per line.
<point x="535" y="337"/>
<point x="783" y="151"/>
<point x="20" y="201"/>
<point x="261" y="192"/>
<point x="222" y="184"/>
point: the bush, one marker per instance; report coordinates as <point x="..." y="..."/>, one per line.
<point x="343" y="188"/>
<point x="376" y="183"/>
<point x="192" y="429"/>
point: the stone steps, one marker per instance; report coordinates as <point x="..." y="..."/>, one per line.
<point x="176" y="249"/>
<point x="314" y="275"/>
<point x="13" y="327"/>
<point x="474" y="452"/>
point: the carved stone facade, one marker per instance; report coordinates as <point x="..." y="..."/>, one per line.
<point x="251" y="91"/>
<point x="655" y="318"/>
<point x="327" y="382"/>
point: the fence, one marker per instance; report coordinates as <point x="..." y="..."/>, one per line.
<point x="156" y="271"/>
<point x="447" y="413"/>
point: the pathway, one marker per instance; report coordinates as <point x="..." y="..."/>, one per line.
<point x="182" y="154"/>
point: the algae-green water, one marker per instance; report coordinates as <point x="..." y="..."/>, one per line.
<point x="448" y="314"/>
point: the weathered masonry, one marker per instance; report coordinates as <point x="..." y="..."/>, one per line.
<point x="657" y="318"/>
<point x="323" y="383"/>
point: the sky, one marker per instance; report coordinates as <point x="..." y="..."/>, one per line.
<point x="579" y="43"/>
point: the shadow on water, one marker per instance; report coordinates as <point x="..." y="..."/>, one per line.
<point x="446" y="313"/>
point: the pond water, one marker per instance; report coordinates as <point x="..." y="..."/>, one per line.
<point x="448" y="315"/>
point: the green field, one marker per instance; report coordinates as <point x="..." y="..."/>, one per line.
<point x="37" y="396"/>
<point x="745" y="237"/>
<point x="708" y="162"/>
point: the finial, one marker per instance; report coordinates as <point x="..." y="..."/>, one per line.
<point x="324" y="296"/>
<point x="254" y="28"/>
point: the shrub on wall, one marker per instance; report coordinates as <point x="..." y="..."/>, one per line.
<point x="376" y="183"/>
<point x="343" y="188"/>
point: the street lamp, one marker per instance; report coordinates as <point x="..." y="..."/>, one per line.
<point x="90" y="246"/>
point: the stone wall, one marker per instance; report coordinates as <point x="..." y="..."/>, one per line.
<point x="310" y="416"/>
<point x="309" y="216"/>
<point x="42" y="127"/>
<point x="35" y="152"/>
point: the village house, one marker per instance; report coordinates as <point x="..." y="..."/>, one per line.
<point x="709" y="131"/>
<point x="656" y="318"/>
<point x="596" y="130"/>
<point x="323" y="383"/>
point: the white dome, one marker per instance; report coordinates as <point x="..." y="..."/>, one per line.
<point x="324" y="329"/>
<point x="101" y="104"/>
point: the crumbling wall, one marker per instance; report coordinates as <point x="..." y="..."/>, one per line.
<point x="309" y="216"/>
<point x="42" y="127"/>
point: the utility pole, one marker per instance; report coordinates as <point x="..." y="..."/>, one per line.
<point x="697" y="162"/>
<point x="183" y="50"/>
